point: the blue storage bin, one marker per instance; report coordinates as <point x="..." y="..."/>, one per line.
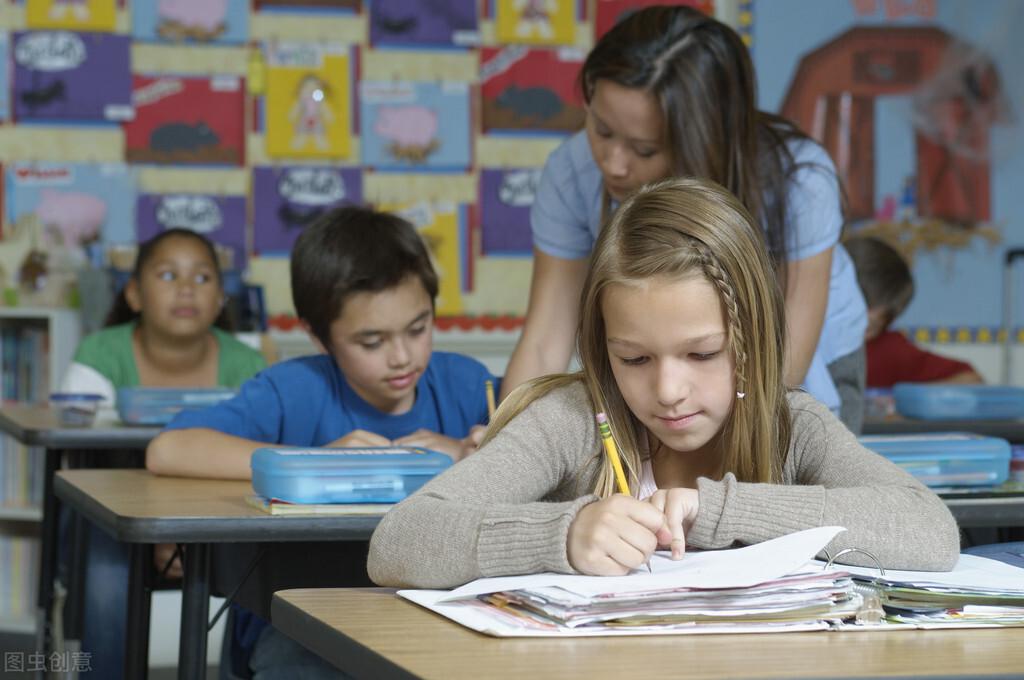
<point x="344" y="475"/>
<point x="158" y="405"/>
<point x="928" y="401"/>
<point x="946" y="458"/>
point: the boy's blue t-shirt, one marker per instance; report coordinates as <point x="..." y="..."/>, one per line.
<point x="308" y="402"/>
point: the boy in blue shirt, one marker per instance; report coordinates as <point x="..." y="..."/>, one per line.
<point x="364" y="288"/>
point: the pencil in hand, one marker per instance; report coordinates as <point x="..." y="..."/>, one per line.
<point x="613" y="457"/>
<point x="489" y="390"/>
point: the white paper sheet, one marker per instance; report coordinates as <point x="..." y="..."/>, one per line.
<point x="736" y="568"/>
<point x="971" y="571"/>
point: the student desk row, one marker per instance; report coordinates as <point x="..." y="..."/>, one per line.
<point x="138" y="508"/>
<point x="141" y="509"/>
<point x="39" y="426"/>
<point x="371" y="633"/>
<point x="1010" y="430"/>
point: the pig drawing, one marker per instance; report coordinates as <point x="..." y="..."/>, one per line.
<point x="411" y="131"/>
<point x="71" y="218"/>
<point x="201" y="20"/>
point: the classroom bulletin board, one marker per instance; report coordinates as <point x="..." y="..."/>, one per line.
<point x="247" y="119"/>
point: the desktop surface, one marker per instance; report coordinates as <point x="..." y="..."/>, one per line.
<point x="373" y="633"/>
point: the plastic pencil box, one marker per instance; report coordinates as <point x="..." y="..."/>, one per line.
<point x="946" y="458"/>
<point x="344" y="475"/>
<point x="928" y="401"/>
<point x="158" y="405"/>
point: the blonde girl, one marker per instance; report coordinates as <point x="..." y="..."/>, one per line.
<point x="681" y="341"/>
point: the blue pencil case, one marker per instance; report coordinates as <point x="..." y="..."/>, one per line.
<point x="344" y="475"/>
<point x="158" y="405"/>
<point x="946" y="458"/>
<point x="928" y="401"/>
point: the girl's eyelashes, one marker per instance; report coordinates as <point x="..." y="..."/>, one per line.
<point x="419" y="330"/>
<point x="705" y="356"/>
<point x="645" y="153"/>
<point x="633" y="361"/>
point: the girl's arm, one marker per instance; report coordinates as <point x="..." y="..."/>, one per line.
<point x="807" y="286"/>
<point x="201" y="452"/>
<point x="485" y="516"/>
<point x="547" y="341"/>
<point x="831" y="479"/>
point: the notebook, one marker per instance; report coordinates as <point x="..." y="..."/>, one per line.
<point x="276" y="506"/>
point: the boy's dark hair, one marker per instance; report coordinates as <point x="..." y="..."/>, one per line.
<point x="350" y="250"/>
<point x="882" y="272"/>
<point x="121" y="312"/>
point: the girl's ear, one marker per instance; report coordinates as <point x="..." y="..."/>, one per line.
<point x="132" y="295"/>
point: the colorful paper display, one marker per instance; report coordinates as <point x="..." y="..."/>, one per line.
<point x="220" y="218"/>
<point x="532" y="90"/>
<point x="610" y="12"/>
<point x="67" y="76"/>
<point x="424" y="23"/>
<point x="506" y="196"/>
<point x="308" y="100"/>
<point x="444" y="226"/>
<point x="75" y="205"/>
<point x="287" y="199"/>
<point x="536" y="22"/>
<point x="187" y="120"/>
<point x="83" y="15"/>
<point x="408" y="125"/>
<point x="194" y="21"/>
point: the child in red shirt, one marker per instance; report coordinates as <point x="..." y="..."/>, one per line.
<point x="886" y="282"/>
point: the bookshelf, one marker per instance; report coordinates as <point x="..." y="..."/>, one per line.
<point x="36" y="347"/>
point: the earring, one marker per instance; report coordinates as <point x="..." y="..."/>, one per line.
<point x="740" y="395"/>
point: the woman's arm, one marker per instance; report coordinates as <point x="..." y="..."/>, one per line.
<point x="548" y="338"/>
<point x="807" y="283"/>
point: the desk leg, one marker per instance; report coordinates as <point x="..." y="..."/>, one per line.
<point x="73" y="607"/>
<point x="136" y="644"/>
<point x="195" y="612"/>
<point x="48" y="550"/>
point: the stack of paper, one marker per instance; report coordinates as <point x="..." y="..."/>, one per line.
<point x="978" y="593"/>
<point x="768" y="587"/>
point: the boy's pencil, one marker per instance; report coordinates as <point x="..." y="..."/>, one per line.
<point x="613" y="457"/>
<point x="489" y="389"/>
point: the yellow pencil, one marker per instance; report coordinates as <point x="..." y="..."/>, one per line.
<point x="613" y="455"/>
<point x="489" y="389"/>
<point x="612" y="451"/>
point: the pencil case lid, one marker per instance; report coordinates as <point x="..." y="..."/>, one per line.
<point x="929" y="401"/>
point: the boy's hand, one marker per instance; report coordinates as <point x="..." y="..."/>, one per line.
<point x="162" y="552"/>
<point x="614" y="535"/>
<point x="679" y="506"/>
<point x="361" y="438"/>
<point x="433" y="441"/>
<point x="471" y="442"/>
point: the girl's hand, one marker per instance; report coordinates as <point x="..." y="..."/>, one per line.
<point x="614" y="535"/>
<point x="435" y="442"/>
<point x="679" y="507"/>
<point x="162" y="553"/>
<point x="361" y="438"/>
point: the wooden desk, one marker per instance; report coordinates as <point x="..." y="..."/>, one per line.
<point x="371" y="633"/>
<point x="1010" y="430"/>
<point x="139" y="508"/>
<point x="38" y="425"/>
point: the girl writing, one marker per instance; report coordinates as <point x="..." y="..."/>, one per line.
<point x="681" y="342"/>
<point x="160" y="333"/>
<point x="669" y="92"/>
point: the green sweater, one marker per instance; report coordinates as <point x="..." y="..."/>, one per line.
<point x="109" y="352"/>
